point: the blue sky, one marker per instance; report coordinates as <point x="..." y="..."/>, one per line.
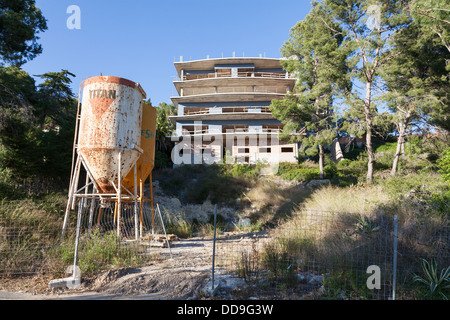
<point x="140" y="39"/>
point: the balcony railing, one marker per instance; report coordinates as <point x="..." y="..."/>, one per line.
<point x="277" y="75"/>
<point x="247" y="130"/>
<point x="197" y="131"/>
<point x="229" y="131"/>
<point x="211" y="90"/>
<point x="227" y="110"/>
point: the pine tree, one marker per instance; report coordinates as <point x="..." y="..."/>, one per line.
<point x="314" y="56"/>
<point x="367" y="29"/>
<point x="417" y="82"/>
<point x="20" y="23"/>
<point x="433" y="17"/>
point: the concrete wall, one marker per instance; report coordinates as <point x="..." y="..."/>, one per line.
<point x="209" y="152"/>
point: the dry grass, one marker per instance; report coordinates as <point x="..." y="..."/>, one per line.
<point x="28" y="230"/>
<point x="354" y="199"/>
<point x="266" y="194"/>
<point x="343" y="230"/>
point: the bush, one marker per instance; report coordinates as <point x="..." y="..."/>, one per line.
<point x="239" y="170"/>
<point x="330" y="169"/>
<point x="197" y="183"/>
<point x="161" y="160"/>
<point x="359" y="166"/>
<point x="302" y="174"/>
<point x="293" y="171"/>
<point x="444" y="165"/>
<point x="387" y="147"/>
<point x="100" y="252"/>
<point x="343" y="163"/>
<point x="421" y="183"/>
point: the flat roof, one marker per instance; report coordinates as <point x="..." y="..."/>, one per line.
<point x="208" y="64"/>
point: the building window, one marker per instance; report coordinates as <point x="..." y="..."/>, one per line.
<point x="243" y="150"/>
<point x="223" y="73"/>
<point x="287" y="150"/>
<point x="265" y="150"/>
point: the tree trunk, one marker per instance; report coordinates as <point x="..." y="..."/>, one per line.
<point x="321" y="156"/>
<point x="400" y="142"/>
<point x="398" y="151"/>
<point x="369" y="147"/>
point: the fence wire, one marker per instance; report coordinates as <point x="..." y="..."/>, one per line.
<point x="30" y="237"/>
<point x="333" y="255"/>
<point x="25" y="239"/>
<point x="336" y="256"/>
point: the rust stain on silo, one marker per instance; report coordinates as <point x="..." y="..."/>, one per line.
<point x="111" y="120"/>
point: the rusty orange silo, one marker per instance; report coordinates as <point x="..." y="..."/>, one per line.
<point x="146" y="161"/>
<point x="110" y="123"/>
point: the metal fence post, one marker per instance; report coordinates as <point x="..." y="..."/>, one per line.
<point x="77" y="238"/>
<point x="214" y="248"/>
<point x="164" y="229"/>
<point x="394" y="280"/>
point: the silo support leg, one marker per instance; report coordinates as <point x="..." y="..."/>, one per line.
<point x="72" y="189"/>
<point x="100" y="211"/>
<point x="136" y="220"/>
<point x="151" y="203"/>
<point x="141" y="202"/>
<point x="115" y="214"/>
<point x="119" y="194"/>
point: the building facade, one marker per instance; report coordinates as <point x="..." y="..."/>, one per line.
<point x="223" y="111"/>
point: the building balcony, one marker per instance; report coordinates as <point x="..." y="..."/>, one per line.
<point x="228" y="97"/>
<point x="234" y="85"/>
<point x="211" y="90"/>
<point x="225" y="110"/>
<point x="241" y="74"/>
<point x="230" y="130"/>
<point x="212" y="116"/>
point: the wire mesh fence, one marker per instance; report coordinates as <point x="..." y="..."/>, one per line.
<point x="28" y="233"/>
<point x="31" y="242"/>
<point x="336" y="256"/>
<point x="331" y="255"/>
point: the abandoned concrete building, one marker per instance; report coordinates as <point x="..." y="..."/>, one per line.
<point x="223" y="111"/>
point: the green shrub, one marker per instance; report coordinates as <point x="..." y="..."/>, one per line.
<point x="359" y="165"/>
<point x="100" y="252"/>
<point x="343" y="163"/>
<point x="444" y="165"/>
<point x="294" y="171"/>
<point x="197" y="183"/>
<point x="421" y="183"/>
<point x="330" y="168"/>
<point x="239" y="170"/>
<point x="440" y="202"/>
<point x="387" y="147"/>
<point x="161" y="160"/>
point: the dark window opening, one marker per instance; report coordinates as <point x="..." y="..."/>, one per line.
<point x="243" y="150"/>
<point x="287" y="150"/>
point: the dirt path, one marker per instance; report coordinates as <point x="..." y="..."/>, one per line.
<point x="184" y="276"/>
